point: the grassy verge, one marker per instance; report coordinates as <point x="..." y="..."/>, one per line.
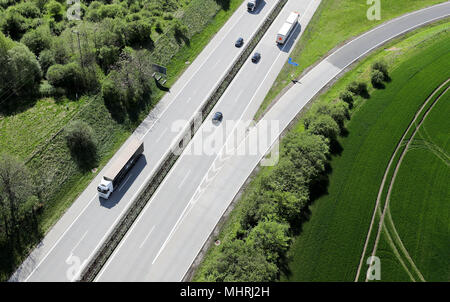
<point x="331" y="242"/>
<point x="334" y="22"/>
<point x="312" y="254"/>
<point x="46" y="150"/>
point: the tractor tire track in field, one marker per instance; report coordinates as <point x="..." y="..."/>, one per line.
<point x="391" y="161"/>
<point x="399" y="241"/>
<point x="397" y="168"/>
<point x="395" y="250"/>
<point x="426" y="142"/>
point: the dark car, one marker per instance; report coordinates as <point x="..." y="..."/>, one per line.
<point x="239" y="42"/>
<point x="256" y="57"/>
<point x="217" y="118"/>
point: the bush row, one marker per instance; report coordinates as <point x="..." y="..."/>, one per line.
<point x="269" y="214"/>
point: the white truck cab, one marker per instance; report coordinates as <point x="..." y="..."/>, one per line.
<point x="105" y="188"/>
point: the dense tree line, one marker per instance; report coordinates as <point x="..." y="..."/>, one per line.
<point x="18" y="202"/>
<point x="45" y="54"/>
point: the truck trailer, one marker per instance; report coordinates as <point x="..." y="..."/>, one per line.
<point x="120" y="167"/>
<point x="287" y="28"/>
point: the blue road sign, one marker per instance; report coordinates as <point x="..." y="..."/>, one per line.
<point x="292" y="63"/>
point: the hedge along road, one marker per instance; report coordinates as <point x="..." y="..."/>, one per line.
<point x="152" y="256"/>
<point x="82" y="229"/>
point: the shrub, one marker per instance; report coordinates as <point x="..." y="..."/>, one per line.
<point x="55" y="10"/>
<point x="69" y="76"/>
<point x="46" y="59"/>
<point x="21" y="73"/>
<point x="272" y="238"/>
<point x="381" y="67"/>
<point x="377" y="78"/>
<point x="347" y="97"/>
<point x="324" y="125"/>
<point x="13" y="24"/>
<point x="338" y="110"/>
<point x="37" y="40"/>
<point x="239" y="261"/>
<point x="158" y="28"/>
<point x="307" y="152"/>
<point x="82" y="144"/>
<point x="138" y="32"/>
<point x="46" y="90"/>
<point x="358" y="88"/>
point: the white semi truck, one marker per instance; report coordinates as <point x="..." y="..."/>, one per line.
<point x="287" y="28"/>
<point x="122" y="165"/>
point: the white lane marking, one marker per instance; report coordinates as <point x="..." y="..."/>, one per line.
<point x="215" y="64"/>
<point x="237" y="98"/>
<point x="76" y="245"/>
<point x="161" y="135"/>
<point x="231" y="133"/>
<point x="184" y="179"/>
<point x="59" y="239"/>
<point x="126" y="180"/>
<point x="146" y="237"/>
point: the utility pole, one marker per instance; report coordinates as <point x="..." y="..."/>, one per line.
<point x="79" y="47"/>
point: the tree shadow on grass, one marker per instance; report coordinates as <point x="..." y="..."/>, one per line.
<point x="86" y="158"/>
<point x="317" y="189"/>
<point x="225" y="4"/>
<point x="16" y="105"/>
<point x="161" y="87"/>
<point x="181" y="37"/>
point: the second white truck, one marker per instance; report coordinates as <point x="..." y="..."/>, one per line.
<point x="287" y="28"/>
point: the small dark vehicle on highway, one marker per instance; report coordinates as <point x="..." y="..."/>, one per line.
<point x="217" y="118"/>
<point x="239" y="42"/>
<point x="256" y="57"/>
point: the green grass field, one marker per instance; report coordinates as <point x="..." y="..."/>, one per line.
<point x="331" y="242"/>
<point x="335" y="22"/>
<point x="418" y="207"/>
<point x="21" y="133"/>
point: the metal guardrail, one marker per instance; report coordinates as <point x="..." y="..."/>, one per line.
<point x="106" y="249"/>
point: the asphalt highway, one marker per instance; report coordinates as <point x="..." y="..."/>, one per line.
<point x="78" y="234"/>
<point x="171" y="230"/>
<point x="145" y="241"/>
